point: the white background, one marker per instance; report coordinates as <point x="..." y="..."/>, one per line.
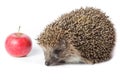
<point x="33" y="16"/>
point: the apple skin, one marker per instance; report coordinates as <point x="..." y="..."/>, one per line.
<point x="18" y="44"/>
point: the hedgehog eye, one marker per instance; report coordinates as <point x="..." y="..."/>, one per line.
<point x="57" y="51"/>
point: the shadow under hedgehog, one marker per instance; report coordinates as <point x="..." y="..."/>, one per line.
<point x="84" y="35"/>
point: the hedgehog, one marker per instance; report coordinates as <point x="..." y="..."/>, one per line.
<point x="84" y="35"/>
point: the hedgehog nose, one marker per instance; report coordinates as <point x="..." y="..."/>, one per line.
<point x="47" y="63"/>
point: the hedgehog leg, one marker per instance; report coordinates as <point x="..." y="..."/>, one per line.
<point x="86" y="61"/>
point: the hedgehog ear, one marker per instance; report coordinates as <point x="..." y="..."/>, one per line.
<point x="63" y="44"/>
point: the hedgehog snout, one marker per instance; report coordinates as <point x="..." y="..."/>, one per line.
<point x="50" y="62"/>
<point x="54" y="59"/>
<point x="47" y="63"/>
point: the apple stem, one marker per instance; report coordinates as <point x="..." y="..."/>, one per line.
<point x="19" y="29"/>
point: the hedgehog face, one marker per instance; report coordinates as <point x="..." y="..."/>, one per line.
<point x="60" y="54"/>
<point x="55" y="55"/>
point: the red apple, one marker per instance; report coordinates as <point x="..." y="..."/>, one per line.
<point x="18" y="44"/>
